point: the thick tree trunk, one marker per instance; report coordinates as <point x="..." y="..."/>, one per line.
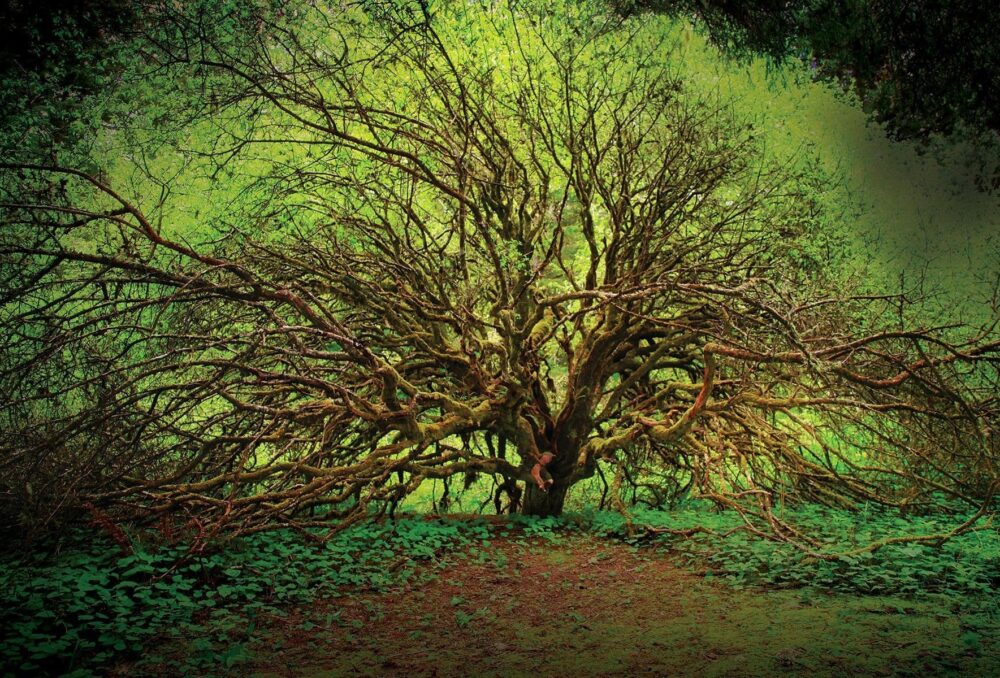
<point x="539" y="503"/>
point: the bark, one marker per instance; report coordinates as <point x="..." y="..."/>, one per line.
<point x="539" y="503"/>
<point x="555" y="473"/>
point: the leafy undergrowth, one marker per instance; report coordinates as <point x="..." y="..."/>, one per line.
<point x="81" y="610"/>
<point x="967" y="565"/>
<point x="163" y="611"/>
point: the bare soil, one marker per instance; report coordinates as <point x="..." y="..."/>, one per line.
<point x="581" y="606"/>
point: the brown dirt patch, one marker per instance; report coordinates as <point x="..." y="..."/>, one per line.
<point x="581" y="606"/>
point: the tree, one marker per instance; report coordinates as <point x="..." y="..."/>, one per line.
<point x="491" y="241"/>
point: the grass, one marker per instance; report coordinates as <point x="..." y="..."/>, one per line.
<point x="577" y="594"/>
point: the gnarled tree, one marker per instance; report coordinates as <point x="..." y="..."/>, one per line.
<point x="509" y="244"/>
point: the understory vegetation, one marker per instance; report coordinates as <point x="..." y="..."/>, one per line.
<point x="93" y="604"/>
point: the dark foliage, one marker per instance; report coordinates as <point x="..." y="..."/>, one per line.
<point x="923" y="68"/>
<point x="52" y="55"/>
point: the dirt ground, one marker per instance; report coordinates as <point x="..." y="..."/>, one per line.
<point x="587" y="607"/>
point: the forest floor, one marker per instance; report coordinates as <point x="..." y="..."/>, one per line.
<point x="585" y="606"/>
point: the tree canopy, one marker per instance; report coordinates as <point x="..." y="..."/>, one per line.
<point x="497" y="241"/>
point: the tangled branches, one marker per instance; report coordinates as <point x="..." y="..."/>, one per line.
<point x="533" y="267"/>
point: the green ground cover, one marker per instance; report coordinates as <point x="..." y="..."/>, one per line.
<point x="89" y="609"/>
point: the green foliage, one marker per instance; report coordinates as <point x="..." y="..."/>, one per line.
<point x="57" y="60"/>
<point x="78" y="610"/>
<point x="968" y="565"/>
<point x="921" y="67"/>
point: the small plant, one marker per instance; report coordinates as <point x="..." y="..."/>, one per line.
<point x="89" y="606"/>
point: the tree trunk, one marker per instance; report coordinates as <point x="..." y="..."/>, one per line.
<point x="539" y="503"/>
